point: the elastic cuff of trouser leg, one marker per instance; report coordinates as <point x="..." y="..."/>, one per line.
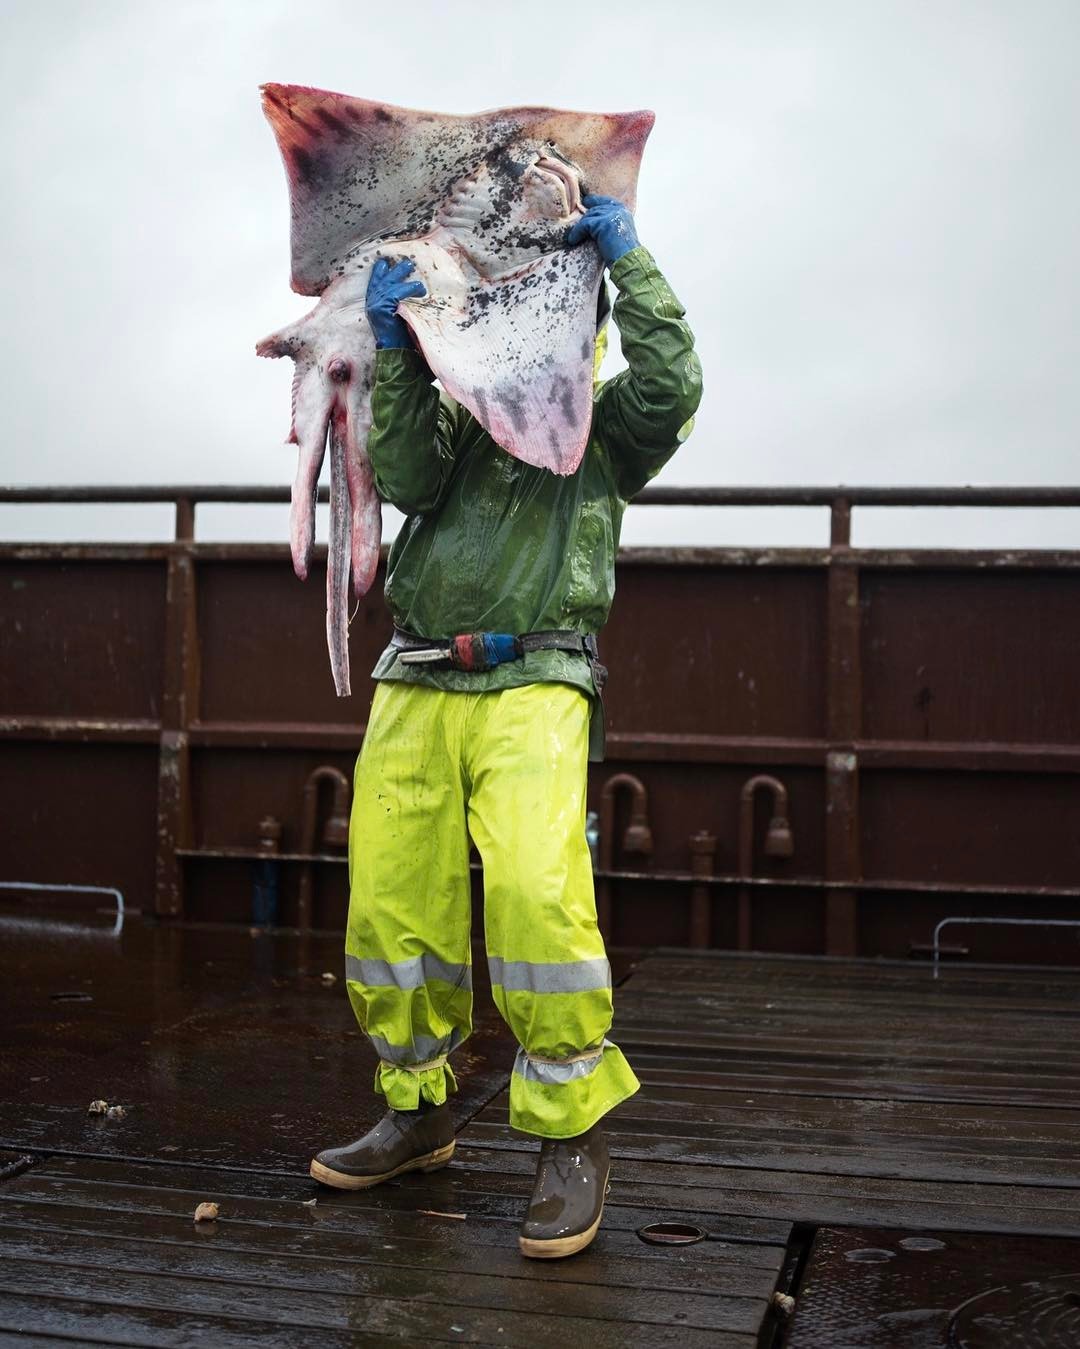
<point x="566" y="1109"/>
<point x="404" y="1087"/>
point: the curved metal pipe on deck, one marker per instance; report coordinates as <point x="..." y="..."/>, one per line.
<point x="637" y="840"/>
<point x="335" y="832"/>
<point x="779" y="841"/>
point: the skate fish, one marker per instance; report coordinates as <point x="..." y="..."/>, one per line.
<point x="481" y="205"/>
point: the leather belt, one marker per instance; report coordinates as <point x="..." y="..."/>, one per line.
<point x="477" y="652"/>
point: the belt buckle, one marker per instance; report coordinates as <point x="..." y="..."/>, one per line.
<point x="424" y="656"/>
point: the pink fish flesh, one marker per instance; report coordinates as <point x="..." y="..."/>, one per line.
<point x="481" y="205"/>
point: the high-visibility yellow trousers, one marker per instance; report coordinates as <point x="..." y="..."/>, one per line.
<point x="507" y="768"/>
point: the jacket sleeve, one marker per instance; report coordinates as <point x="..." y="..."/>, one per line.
<point x="643" y="415"/>
<point x="413" y="436"/>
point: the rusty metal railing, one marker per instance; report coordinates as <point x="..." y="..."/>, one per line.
<point x="990" y="920"/>
<point x="840" y="500"/>
<point x="840" y="751"/>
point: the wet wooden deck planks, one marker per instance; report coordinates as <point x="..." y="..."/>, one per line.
<point x="775" y="1091"/>
<point x="235" y="1061"/>
<point x="121" y="1236"/>
<point x="851" y="1092"/>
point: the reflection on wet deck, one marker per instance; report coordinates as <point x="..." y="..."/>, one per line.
<point x="780" y="1096"/>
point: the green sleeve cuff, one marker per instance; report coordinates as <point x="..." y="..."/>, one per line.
<point x="639" y="262"/>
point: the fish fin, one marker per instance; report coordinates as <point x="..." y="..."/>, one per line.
<point x="288" y="341"/>
<point x="518" y="353"/>
<point x="359" y="170"/>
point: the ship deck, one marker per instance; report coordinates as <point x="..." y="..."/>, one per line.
<point x="803" y="1111"/>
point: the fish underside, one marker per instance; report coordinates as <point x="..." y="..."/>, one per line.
<point x="481" y="205"/>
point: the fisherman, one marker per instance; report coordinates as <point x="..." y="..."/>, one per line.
<point x="486" y="711"/>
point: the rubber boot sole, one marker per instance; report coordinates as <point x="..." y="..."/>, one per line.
<point x="556" y="1248"/>
<point x="341" y="1180"/>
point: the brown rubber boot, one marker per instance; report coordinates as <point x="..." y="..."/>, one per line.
<point x="401" y="1141"/>
<point x="568" y="1196"/>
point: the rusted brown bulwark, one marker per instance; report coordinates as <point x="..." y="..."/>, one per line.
<point x="919" y="707"/>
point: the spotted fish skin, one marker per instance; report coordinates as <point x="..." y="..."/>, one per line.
<point x="481" y="205"/>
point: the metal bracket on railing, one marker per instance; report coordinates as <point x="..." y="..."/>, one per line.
<point x="1004" y="922"/>
<point x="78" y="889"/>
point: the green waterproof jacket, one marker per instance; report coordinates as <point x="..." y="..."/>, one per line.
<point x="495" y="545"/>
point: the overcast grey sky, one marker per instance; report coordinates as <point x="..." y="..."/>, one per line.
<point x="871" y="209"/>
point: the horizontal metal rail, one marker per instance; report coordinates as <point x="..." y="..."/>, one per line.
<point x="66" y="887"/>
<point x="274" y="494"/>
<point x="725" y="880"/>
<point x="989" y="920"/>
<point x="840" y="500"/>
<point x="859" y="496"/>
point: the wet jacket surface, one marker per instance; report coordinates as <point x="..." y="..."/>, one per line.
<point x="495" y="545"/>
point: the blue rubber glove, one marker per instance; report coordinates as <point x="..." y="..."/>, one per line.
<point x="386" y="287"/>
<point x="609" y="223"/>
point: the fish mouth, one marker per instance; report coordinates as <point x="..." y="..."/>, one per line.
<point x="566" y="175"/>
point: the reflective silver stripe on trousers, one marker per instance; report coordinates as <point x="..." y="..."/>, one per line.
<point x="422" y="1050"/>
<point x="405" y="974"/>
<point x="556" y="1074"/>
<point x="562" y="976"/>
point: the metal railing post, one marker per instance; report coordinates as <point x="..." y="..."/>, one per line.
<point x="843" y="720"/>
<point x="179" y="708"/>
